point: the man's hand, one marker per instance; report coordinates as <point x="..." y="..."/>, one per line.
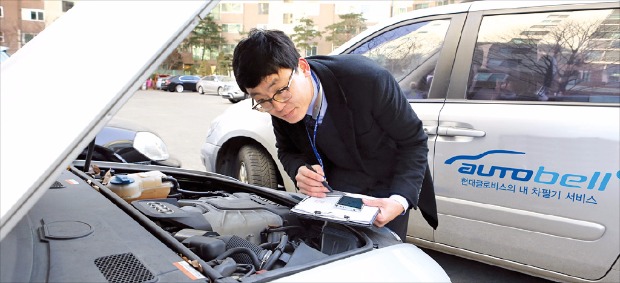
<point x="309" y="183"/>
<point x="388" y="209"/>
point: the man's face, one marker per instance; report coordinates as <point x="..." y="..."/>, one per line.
<point x="300" y="90"/>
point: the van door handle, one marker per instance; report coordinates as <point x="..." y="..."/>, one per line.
<point x="430" y="130"/>
<point x="454" y="131"/>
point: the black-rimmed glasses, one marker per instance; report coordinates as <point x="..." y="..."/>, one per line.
<point x="281" y="95"/>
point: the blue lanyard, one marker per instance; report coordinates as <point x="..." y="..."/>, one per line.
<point x="313" y="142"/>
<point x="316" y="124"/>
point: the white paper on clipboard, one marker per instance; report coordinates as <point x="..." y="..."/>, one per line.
<point x="325" y="208"/>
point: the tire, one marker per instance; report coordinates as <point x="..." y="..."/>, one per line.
<point x="219" y="91"/>
<point x="200" y="90"/>
<point x="254" y="166"/>
<point x="179" y="88"/>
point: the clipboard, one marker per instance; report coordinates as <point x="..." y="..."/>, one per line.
<point x="326" y="209"/>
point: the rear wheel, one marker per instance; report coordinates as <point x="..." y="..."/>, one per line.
<point x="179" y="88"/>
<point x="219" y="91"/>
<point x="200" y="90"/>
<point x="254" y="166"/>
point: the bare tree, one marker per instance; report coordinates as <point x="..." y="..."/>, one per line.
<point x="174" y="61"/>
<point x="553" y="57"/>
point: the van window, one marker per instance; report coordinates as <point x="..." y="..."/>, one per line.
<point x="410" y="53"/>
<point x="528" y="57"/>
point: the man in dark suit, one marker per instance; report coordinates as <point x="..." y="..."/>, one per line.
<point x="347" y="117"/>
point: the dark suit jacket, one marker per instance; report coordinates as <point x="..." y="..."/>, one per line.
<point x="371" y="141"/>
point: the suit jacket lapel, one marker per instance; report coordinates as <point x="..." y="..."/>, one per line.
<point x="337" y="108"/>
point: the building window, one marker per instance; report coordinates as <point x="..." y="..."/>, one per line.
<point x="420" y="6"/>
<point x="215" y="13"/>
<point x="543" y="26"/>
<point x="1" y="36"/>
<point x="263" y="8"/>
<point x="228" y="48"/>
<point x="311" y="51"/>
<point x="611" y="56"/>
<point x="27" y="37"/>
<point x="32" y="15"/>
<point x="1" y="12"/>
<point x="585" y="76"/>
<point x="66" y="5"/>
<point x="231" y="28"/>
<point x="287" y="18"/>
<point x="557" y="16"/>
<point x="231" y="7"/>
<point x="534" y="32"/>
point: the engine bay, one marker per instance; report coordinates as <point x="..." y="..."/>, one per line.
<point x="236" y="232"/>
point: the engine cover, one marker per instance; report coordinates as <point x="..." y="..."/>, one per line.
<point x="241" y="214"/>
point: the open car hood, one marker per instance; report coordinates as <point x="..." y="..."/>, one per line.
<point x="91" y="41"/>
<point x="141" y="223"/>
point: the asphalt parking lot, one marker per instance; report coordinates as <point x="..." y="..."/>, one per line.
<point x="182" y="121"/>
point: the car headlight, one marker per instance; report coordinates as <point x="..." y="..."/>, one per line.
<point x="151" y="146"/>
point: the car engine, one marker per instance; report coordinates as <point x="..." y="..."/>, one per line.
<point x="238" y="234"/>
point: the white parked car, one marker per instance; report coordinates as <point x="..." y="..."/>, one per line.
<point x="161" y="80"/>
<point x="520" y="100"/>
<point x="84" y="221"/>
<point x="215" y="84"/>
<point x="224" y="86"/>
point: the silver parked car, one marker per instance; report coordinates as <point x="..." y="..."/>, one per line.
<point x="215" y="84"/>
<point x="80" y="221"/>
<point x="224" y="86"/>
<point x="521" y="103"/>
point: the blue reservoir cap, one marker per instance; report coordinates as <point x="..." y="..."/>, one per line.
<point x="121" y="179"/>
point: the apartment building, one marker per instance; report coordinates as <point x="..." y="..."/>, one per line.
<point x="22" y="20"/>
<point x="238" y="17"/>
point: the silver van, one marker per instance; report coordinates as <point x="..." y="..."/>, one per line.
<point x="520" y="100"/>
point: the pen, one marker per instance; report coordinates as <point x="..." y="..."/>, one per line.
<point x="324" y="181"/>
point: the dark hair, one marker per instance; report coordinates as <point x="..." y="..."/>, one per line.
<point x="262" y="53"/>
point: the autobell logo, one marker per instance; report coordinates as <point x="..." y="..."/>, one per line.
<point x="543" y="175"/>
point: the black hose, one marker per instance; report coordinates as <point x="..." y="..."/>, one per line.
<point x="276" y="253"/>
<point x="89" y="156"/>
<point x="174" y="191"/>
<point x="194" y="192"/>
<point x="268" y="245"/>
<point x="245" y="250"/>
<point x="251" y="270"/>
